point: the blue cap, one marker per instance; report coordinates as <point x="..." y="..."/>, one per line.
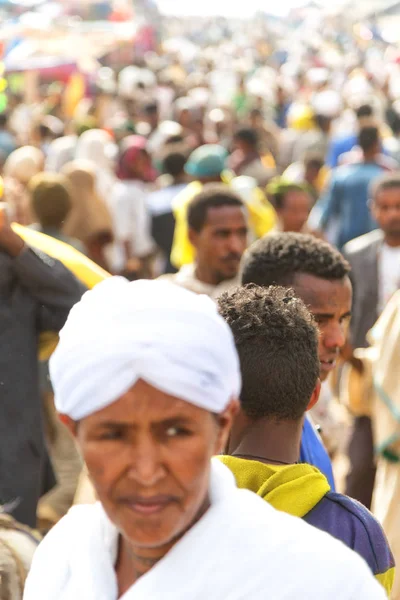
<point x="207" y="161"/>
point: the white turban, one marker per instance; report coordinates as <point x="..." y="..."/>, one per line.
<point x="121" y="332"/>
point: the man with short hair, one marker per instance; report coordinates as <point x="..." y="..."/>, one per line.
<point x="218" y="231"/>
<point x="375" y="274"/>
<point x="277" y="342"/>
<point x="318" y="273"/>
<point x="344" y="210"/>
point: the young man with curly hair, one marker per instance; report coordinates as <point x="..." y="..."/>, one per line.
<point x="319" y="275"/>
<point x="277" y="342"/>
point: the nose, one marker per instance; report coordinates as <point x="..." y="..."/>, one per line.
<point x="236" y="245"/>
<point x="146" y="466"/>
<point x="334" y="337"/>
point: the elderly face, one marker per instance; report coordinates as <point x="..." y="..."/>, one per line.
<point x="148" y="455"/>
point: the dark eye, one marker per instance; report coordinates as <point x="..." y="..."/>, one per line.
<point x="321" y="319"/>
<point x="111" y="434"/>
<point x="345" y="320"/>
<point x="173" y="432"/>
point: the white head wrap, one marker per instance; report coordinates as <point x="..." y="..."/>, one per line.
<point x="121" y="332"/>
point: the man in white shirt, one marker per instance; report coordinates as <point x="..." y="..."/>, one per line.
<point x="217" y="223"/>
<point x="375" y="274"/>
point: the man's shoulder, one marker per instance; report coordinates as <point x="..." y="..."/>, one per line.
<point x="362" y="244"/>
<point x="353" y="524"/>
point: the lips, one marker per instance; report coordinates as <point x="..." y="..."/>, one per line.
<point x="148" y="506"/>
<point x="328" y="365"/>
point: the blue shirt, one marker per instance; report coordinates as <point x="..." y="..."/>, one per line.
<point x="346" y="202"/>
<point x="339" y="146"/>
<point x="313" y="452"/>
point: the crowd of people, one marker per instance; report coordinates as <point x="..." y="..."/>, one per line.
<point x="200" y="323"/>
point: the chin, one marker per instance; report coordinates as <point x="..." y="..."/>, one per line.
<point x="228" y="275"/>
<point x="156" y="536"/>
<point x="323" y="376"/>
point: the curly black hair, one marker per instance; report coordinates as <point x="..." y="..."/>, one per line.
<point x="276" y="259"/>
<point x="277" y="341"/>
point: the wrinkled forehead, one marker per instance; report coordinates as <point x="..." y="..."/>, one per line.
<point x="323" y="295"/>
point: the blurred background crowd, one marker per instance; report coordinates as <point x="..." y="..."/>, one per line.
<point x="114" y="116"/>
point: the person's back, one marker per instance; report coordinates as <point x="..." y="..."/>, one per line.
<point x="277" y="342"/>
<point x="345" y="206"/>
<point x="351" y="187"/>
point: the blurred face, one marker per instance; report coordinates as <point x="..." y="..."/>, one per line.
<point x="295" y="211"/>
<point x="185" y="118"/>
<point x="241" y="145"/>
<point x="220" y="244"/>
<point x="256" y="120"/>
<point x="330" y="303"/>
<point x="148" y="455"/>
<point x="386" y="211"/>
<point x="141" y="166"/>
<point x="312" y="173"/>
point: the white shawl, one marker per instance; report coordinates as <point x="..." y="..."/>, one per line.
<point x="241" y="549"/>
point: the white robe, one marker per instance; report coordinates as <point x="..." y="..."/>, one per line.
<point x="241" y="549"/>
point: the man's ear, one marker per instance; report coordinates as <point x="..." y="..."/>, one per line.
<point x="315" y="396"/>
<point x="193" y="235"/>
<point x="225" y="421"/>
<point x="69" y="423"/>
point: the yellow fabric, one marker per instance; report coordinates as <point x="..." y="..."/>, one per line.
<point x="268" y="161"/>
<point x="301" y="118"/>
<point x="323" y="178"/>
<point x="182" y="250"/>
<point x="73" y="94"/>
<point x="262" y="218"/>
<point x="387" y="580"/>
<point x="294" y="489"/>
<point x="82" y="267"/>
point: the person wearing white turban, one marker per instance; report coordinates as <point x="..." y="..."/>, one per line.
<point x="147" y="377"/>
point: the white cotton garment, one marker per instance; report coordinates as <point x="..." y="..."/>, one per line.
<point x="121" y="332"/>
<point x="241" y="549"/>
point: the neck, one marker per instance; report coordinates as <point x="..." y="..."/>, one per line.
<point x="272" y="442"/>
<point x="204" y="275"/>
<point x="180" y="179"/>
<point x="135" y="561"/>
<point x="392" y="240"/>
<point x="370" y="157"/>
